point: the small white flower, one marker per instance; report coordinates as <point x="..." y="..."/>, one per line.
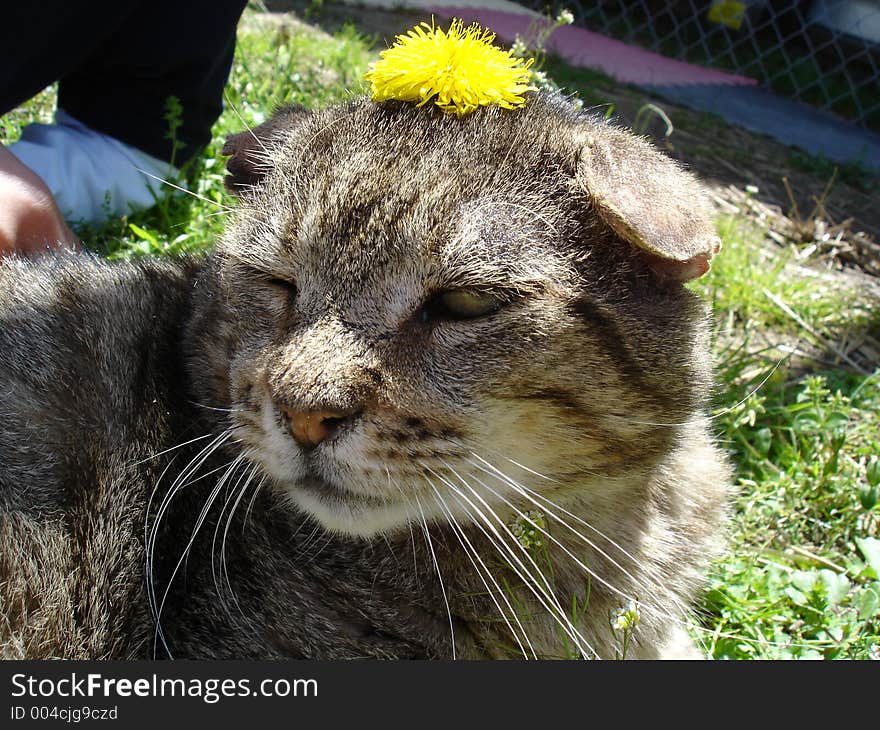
<point x="626" y="618"/>
<point x="519" y="48"/>
<point x="528" y="530"/>
<point x="565" y="17"/>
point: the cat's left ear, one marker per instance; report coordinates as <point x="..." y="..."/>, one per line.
<point x="250" y="151"/>
<point x="646" y="199"/>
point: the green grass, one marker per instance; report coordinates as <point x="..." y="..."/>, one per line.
<point x="801" y="576"/>
<point x="753" y="282"/>
<point x="801" y="579"/>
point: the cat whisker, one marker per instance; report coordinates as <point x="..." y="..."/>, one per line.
<point x="148" y="530"/>
<point x="181" y="189"/>
<point x="467" y="448"/>
<point x="720" y="413"/>
<point x="320" y="547"/>
<point x="555" y="541"/>
<point x="179" y="484"/>
<point x="536" y="589"/>
<point x="479" y="520"/>
<point x="547" y="589"/>
<point x="522" y="490"/>
<point x="651" y="572"/>
<point x="219" y="213"/>
<point x="224" y="567"/>
<point x="173" y="448"/>
<point x="427" y="533"/>
<point x="253" y="499"/>
<point x="649" y="586"/>
<point x="150" y="543"/>
<point x="199" y="521"/>
<point x="412" y="534"/>
<point x="215" y="408"/>
<point x="231" y="493"/>
<point x="533" y="497"/>
<point x="312" y="539"/>
<point x="308" y="543"/>
<point x="244" y="123"/>
<point x="474" y="557"/>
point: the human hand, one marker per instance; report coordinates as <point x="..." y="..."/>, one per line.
<point x="30" y="222"/>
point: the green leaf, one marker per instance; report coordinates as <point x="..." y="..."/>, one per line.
<point x="870" y="548"/>
<point x="837" y="585"/>
<point x="868" y="497"/>
<point x="807" y="422"/>
<point x="811" y="654"/>
<point x="144" y="235"/>
<point x="872" y="471"/>
<point x="762" y="439"/>
<point x="804" y="580"/>
<point x="796" y="596"/>
<point x="837" y="421"/>
<point x="868" y="601"/>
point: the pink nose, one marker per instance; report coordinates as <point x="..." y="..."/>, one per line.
<point x="310" y="428"/>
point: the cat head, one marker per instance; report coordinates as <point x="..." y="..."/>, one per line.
<point x="422" y="313"/>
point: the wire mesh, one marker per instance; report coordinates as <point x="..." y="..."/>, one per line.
<point x="822" y="52"/>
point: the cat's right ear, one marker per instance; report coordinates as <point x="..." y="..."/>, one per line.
<point x="649" y="201"/>
<point x="250" y="152"/>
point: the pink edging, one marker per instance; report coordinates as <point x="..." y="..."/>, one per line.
<point x="580" y="47"/>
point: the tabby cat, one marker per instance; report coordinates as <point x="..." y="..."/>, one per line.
<point x="438" y="392"/>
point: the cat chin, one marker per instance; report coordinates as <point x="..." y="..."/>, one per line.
<point x="352" y="517"/>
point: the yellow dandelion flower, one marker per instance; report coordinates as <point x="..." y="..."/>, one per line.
<point x="459" y="70"/>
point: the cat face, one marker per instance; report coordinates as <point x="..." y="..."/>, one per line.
<point x="425" y="313"/>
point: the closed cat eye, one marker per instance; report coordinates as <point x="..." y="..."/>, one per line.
<point x="263" y="278"/>
<point x="461" y="304"/>
<point x="286" y="286"/>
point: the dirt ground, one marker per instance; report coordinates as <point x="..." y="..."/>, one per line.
<point x="809" y="199"/>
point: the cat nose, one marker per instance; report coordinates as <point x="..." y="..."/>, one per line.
<point x="310" y="428"/>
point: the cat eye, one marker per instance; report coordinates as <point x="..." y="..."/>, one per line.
<point x="461" y="304"/>
<point x="283" y="285"/>
<point x="261" y="278"/>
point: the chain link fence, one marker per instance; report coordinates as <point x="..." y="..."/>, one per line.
<point x="822" y="52"/>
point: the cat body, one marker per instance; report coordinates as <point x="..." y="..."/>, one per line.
<point x="438" y="392"/>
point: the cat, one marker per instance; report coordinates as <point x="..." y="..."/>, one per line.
<point x="438" y="392"/>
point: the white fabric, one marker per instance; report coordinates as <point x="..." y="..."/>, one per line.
<point x="93" y="176"/>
